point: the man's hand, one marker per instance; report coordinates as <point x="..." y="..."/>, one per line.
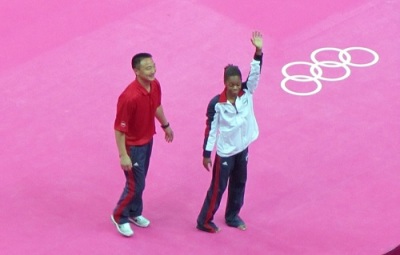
<point x="169" y="134"/>
<point x="126" y="162"/>
<point x="207" y="163"/>
<point x="257" y="40"/>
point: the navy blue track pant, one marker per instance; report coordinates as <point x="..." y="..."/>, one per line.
<point x="234" y="170"/>
<point x="130" y="203"/>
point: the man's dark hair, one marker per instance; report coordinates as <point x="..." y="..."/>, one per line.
<point x="231" y="70"/>
<point x="138" y="58"/>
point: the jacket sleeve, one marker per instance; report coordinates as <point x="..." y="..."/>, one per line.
<point x="254" y="76"/>
<point x="210" y="134"/>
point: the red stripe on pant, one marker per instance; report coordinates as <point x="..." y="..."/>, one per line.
<point x="214" y="196"/>
<point x="128" y="197"/>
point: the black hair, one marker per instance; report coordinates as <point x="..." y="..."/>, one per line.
<point x="231" y="70"/>
<point x="138" y="58"/>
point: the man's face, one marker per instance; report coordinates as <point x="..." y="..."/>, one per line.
<point x="233" y="85"/>
<point x="146" y="70"/>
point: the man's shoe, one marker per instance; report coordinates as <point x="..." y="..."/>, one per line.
<point x="140" y="221"/>
<point x="123" y="229"/>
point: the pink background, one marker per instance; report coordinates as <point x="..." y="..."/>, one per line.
<point x="323" y="175"/>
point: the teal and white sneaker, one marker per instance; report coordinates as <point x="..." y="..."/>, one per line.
<point x="123" y="229"/>
<point x="140" y="221"/>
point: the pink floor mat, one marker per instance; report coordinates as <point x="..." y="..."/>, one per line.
<point x="323" y="175"/>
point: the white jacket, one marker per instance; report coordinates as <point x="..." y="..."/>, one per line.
<point x="233" y="127"/>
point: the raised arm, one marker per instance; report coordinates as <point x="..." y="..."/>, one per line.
<point x="257" y="41"/>
<point x="255" y="66"/>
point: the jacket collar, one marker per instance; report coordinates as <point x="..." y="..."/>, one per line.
<point x="224" y="99"/>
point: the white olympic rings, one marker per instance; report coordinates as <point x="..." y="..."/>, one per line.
<point x="317" y="72"/>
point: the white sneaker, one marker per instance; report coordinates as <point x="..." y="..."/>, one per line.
<point x="124" y="229"/>
<point x="140" y="221"/>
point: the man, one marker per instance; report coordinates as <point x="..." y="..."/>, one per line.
<point x="231" y="126"/>
<point x="134" y="126"/>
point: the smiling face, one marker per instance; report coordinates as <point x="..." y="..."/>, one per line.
<point x="146" y="70"/>
<point x="232" y="81"/>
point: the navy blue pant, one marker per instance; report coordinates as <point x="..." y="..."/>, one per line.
<point x="234" y="170"/>
<point x="130" y="203"/>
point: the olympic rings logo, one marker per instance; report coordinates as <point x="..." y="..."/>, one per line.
<point x="317" y="72"/>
